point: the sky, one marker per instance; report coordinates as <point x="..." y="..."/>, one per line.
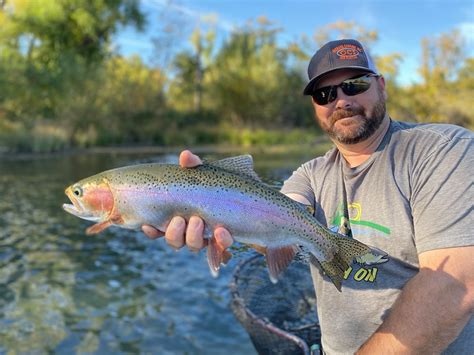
<point x="401" y="24"/>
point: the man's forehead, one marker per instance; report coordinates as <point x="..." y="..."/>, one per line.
<point x="337" y="76"/>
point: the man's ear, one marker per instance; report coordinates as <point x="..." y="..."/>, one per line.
<point x="381" y="81"/>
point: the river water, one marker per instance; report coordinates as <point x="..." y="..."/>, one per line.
<point x="116" y="292"/>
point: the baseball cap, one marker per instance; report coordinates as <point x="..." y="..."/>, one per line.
<point x="335" y="55"/>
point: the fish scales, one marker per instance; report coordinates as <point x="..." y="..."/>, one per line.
<point x="215" y="196"/>
<point x="253" y="212"/>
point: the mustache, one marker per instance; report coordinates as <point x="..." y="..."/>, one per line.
<point x="339" y="114"/>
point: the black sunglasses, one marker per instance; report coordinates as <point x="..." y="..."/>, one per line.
<point x="350" y="87"/>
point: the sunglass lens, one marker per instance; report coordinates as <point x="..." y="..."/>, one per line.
<point x="355" y="86"/>
<point x="321" y="96"/>
<point x="350" y="87"/>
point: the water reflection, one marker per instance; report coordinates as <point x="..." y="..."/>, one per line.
<point x="117" y="292"/>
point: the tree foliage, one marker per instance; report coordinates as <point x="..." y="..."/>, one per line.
<point x="48" y="29"/>
<point x="53" y="44"/>
<point x="344" y="29"/>
<point x="446" y="90"/>
<point x="62" y="84"/>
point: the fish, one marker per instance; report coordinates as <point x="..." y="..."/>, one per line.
<point x="225" y="193"/>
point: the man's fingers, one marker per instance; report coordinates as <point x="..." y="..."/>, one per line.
<point x="188" y="159"/>
<point x="151" y="232"/>
<point x="223" y="237"/>
<point x="178" y="234"/>
<point x="175" y="232"/>
<point x="194" y="234"/>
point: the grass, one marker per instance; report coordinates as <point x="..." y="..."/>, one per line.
<point x="47" y="138"/>
<point x="41" y="138"/>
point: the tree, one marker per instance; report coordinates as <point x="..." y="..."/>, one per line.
<point x="50" y="28"/>
<point x="132" y="100"/>
<point x="345" y="29"/>
<point x="191" y="66"/>
<point x="445" y="94"/>
<point x="442" y="57"/>
<point x="56" y="44"/>
<point x="246" y="78"/>
<point x="172" y="30"/>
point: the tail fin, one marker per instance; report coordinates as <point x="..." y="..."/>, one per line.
<point x="347" y="250"/>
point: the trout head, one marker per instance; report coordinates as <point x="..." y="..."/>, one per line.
<point x="92" y="199"/>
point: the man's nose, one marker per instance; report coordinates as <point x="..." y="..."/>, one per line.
<point x="343" y="101"/>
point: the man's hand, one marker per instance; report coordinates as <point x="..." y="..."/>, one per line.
<point x="179" y="233"/>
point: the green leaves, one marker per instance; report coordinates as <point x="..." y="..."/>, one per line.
<point x="61" y="84"/>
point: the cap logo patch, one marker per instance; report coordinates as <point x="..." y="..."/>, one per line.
<point x="347" y="51"/>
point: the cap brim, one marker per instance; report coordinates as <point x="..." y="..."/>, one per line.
<point x="308" y="90"/>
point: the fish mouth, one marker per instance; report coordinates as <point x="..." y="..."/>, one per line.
<point x="76" y="208"/>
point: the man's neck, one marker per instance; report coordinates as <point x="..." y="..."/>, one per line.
<point x="356" y="154"/>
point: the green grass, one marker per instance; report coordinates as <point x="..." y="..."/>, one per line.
<point x="41" y="138"/>
<point x="47" y="138"/>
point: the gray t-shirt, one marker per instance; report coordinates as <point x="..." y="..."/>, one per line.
<point x="414" y="194"/>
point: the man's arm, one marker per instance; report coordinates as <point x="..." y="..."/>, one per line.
<point x="433" y="307"/>
<point x="299" y="198"/>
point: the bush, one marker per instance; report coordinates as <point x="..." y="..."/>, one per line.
<point x="42" y="138"/>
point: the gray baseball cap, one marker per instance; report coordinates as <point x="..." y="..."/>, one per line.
<point x="335" y="55"/>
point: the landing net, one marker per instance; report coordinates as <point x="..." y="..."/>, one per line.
<point x="281" y="318"/>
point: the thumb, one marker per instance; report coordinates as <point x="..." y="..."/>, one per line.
<point x="188" y="159"/>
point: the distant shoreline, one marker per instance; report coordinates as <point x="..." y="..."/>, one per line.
<point x="198" y="149"/>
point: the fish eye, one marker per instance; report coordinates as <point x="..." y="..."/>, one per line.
<point x="77" y="191"/>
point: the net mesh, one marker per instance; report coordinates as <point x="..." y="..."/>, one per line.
<point x="280" y="318"/>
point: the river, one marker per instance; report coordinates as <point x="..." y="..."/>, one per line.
<point x="116" y="292"/>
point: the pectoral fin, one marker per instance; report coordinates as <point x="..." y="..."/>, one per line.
<point x="98" y="227"/>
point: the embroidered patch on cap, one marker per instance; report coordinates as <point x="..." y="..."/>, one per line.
<point x="347" y="51"/>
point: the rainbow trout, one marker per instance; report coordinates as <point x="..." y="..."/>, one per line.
<point x="223" y="193"/>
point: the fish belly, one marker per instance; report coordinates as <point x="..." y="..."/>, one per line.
<point x="249" y="218"/>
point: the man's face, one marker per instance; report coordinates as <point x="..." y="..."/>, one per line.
<point x="351" y="119"/>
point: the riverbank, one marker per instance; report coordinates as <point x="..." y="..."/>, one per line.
<point x="45" y="138"/>
<point x="319" y="143"/>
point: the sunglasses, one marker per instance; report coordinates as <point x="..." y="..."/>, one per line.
<point x="350" y="87"/>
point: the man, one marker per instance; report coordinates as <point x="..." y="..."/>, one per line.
<point x="404" y="188"/>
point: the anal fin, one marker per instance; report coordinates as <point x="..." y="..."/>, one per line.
<point x="278" y="259"/>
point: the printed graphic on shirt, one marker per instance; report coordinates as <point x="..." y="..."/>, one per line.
<point x="366" y="272"/>
<point x="355" y="210"/>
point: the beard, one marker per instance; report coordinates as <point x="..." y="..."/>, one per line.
<point x="366" y="126"/>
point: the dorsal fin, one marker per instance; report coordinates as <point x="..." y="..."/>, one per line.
<point x="242" y="165"/>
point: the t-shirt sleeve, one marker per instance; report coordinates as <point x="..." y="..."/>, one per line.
<point x="443" y="195"/>
<point x="300" y="183"/>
